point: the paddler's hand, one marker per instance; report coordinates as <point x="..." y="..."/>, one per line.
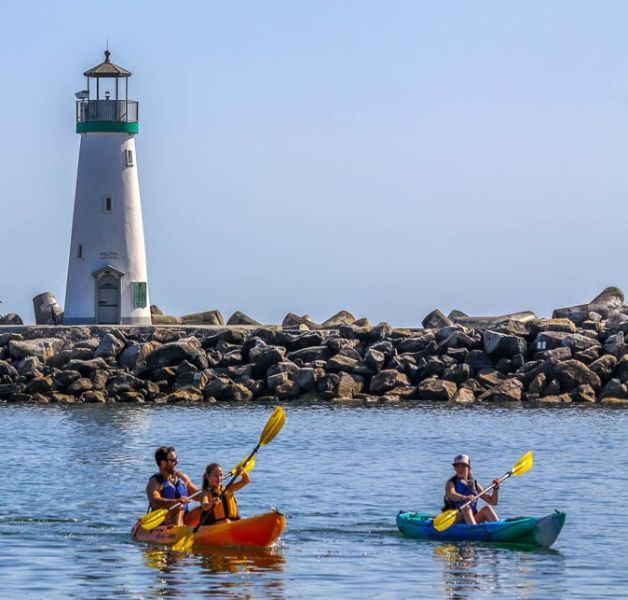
<point x="496" y="484"/>
<point x="184" y="500"/>
<point x="240" y="472"/>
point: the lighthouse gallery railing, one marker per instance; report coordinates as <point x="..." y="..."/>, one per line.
<point x="106" y="110"/>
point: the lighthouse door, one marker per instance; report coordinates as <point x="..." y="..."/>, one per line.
<point x="109" y="299"/>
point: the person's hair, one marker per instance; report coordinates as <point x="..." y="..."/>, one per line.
<point x="162" y="453"/>
<point x="208" y="471"/>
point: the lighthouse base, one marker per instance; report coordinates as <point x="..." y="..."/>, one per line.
<point x="93" y="321"/>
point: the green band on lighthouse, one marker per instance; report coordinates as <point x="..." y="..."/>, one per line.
<point x="108" y="127"/>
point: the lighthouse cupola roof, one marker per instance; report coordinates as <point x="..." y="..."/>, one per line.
<point x="107" y="69"/>
<point x="104" y="105"/>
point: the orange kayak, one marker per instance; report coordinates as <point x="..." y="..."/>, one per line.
<point x="259" y="531"/>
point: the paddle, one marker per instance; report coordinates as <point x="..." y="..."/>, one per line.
<point x="273" y="426"/>
<point x="248" y="468"/>
<point x="155" y="518"/>
<point x="448" y="518"/>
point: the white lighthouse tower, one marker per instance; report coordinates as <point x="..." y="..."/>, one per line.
<point x="107" y="281"/>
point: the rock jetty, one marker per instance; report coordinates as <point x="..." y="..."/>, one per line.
<point x="579" y="355"/>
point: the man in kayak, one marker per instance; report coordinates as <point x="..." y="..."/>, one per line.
<point x="169" y="486"/>
<point x="462" y="487"/>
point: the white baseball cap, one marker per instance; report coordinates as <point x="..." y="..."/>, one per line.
<point x="462" y="459"/>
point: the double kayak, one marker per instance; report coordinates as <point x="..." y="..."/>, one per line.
<point x="259" y="531"/>
<point x="529" y="531"/>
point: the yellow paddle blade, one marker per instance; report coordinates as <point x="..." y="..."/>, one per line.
<point x="184" y="543"/>
<point x="445" y="520"/>
<point x="248" y="468"/>
<point x="273" y="426"/>
<point x="154" y="519"/>
<point x="524" y="464"/>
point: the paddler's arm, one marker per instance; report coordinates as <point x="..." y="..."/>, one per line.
<point x="453" y="495"/>
<point x="192" y="489"/>
<point x="153" y="491"/>
<point x="240" y="484"/>
<point x="493" y="498"/>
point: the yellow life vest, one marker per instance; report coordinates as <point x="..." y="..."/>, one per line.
<point x="226" y="509"/>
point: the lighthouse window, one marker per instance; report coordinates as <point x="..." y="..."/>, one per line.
<point x="108" y="204"/>
<point x="80" y="251"/>
<point x="129" y="158"/>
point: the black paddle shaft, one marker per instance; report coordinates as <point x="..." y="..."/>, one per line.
<point x="211" y="510"/>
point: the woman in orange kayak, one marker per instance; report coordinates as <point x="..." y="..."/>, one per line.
<point x="218" y="502"/>
<point x="462" y="487"/>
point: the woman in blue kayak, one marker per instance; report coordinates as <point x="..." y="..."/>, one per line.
<point x="462" y="487"/>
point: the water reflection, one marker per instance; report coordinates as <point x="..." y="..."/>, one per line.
<point x="493" y="569"/>
<point x="468" y="568"/>
<point x="229" y="573"/>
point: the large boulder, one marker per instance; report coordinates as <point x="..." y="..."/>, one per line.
<point x="339" y="385"/>
<point x="11" y="319"/>
<point x="509" y="390"/>
<point x="561" y="325"/>
<point x="188" y="394"/>
<point x="85" y="367"/>
<point x="478" y="359"/>
<point x="615" y="389"/>
<point x="7" y="370"/>
<point x="374" y="359"/>
<point x="548" y="340"/>
<point x="172" y="353"/>
<point x="605" y="303"/>
<point x="436" y="389"/>
<point x="603" y="367"/>
<point x="293" y="321"/>
<point x="62" y="357"/>
<point x="498" y="345"/>
<point x="263" y="357"/>
<point x="387" y="380"/>
<point x="621" y="369"/>
<point x="42" y="348"/>
<point x="435" y="320"/>
<point x="125" y="382"/>
<point x="240" y="318"/>
<point x="572" y="374"/>
<point x="340" y="318"/>
<point x="5" y="338"/>
<point x="210" y="317"/>
<point x="134" y="356"/>
<point x="109" y="348"/>
<point x="308" y="355"/>
<point x="306" y="378"/>
<point x="577" y="342"/>
<point x="348" y="364"/>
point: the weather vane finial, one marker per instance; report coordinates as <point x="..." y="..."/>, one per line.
<point x="107" y="53"/>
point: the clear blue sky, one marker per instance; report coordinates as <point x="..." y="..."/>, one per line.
<point x="382" y="157"/>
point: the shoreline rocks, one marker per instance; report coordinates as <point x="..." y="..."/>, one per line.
<point x="511" y="359"/>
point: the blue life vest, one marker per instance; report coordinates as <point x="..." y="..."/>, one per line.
<point x="462" y="488"/>
<point x="170" y="491"/>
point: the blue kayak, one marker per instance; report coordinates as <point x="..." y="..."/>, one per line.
<point x="529" y="531"/>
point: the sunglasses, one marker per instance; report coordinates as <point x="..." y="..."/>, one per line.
<point x="173" y="460"/>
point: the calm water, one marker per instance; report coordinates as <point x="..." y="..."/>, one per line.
<point x="75" y="478"/>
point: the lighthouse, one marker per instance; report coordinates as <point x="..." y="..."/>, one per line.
<point x="107" y="278"/>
